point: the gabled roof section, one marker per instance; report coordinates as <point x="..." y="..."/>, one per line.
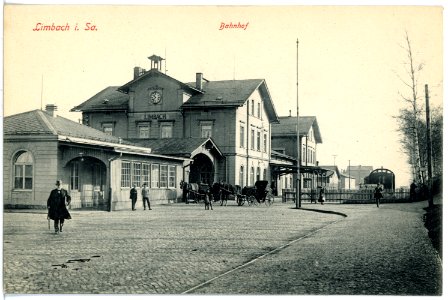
<point x="176" y="146"/>
<point x="287" y="127"/>
<point x="332" y="168"/>
<point x="108" y="99"/>
<point x="232" y="93"/>
<point x="154" y="72"/>
<point x="39" y="122"/>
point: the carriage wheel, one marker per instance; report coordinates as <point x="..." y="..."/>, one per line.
<point x="253" y="201"/>
<point x="269" y="200"/>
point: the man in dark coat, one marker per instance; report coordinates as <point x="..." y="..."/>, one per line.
<point x="57" y="206"/>
<point x="133" y="196"/>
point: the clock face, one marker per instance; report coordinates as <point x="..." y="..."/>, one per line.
<point x="156" y="97"/>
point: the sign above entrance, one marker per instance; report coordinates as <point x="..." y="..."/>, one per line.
<point x="155" y="117"/>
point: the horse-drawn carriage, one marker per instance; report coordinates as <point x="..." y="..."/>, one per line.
<point x="257" y="194"/>
<point x="252" y="195"/>
<point x="194" y="192"/>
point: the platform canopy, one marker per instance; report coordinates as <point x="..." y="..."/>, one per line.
<point x="281" y="169"/>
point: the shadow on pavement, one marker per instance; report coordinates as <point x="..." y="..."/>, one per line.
<point x="323" y="211"/>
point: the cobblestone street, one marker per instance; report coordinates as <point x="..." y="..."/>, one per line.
<point x="179" y="248"/>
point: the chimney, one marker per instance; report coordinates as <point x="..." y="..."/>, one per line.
<point x="290" y="113"/>
<point x="138" y="71"/>
<point x="199" y="81"/>
<point x="50" y="109"/>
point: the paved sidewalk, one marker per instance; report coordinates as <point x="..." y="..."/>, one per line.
<point x="174" y="248"/>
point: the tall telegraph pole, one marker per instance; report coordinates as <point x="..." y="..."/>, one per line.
<point x="298" y="187"/>
<point x="429" y="147"/>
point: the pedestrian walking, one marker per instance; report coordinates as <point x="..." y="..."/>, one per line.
<point x="145" y="196"/>
<point x="412" y="191"/>
<point x="133" y="196"/>
<point x="377" y="194"/>
<point x="57" y="206"/>
<point x="321" y="195"/>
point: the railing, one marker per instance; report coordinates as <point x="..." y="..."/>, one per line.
<point x="348" y="196"/>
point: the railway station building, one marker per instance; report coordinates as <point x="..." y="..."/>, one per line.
<point x="157" y="130"/>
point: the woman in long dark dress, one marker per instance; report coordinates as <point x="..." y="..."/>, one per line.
<point x="57" y="206"/>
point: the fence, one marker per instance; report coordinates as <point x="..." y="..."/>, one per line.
<point x="348" y="196"/>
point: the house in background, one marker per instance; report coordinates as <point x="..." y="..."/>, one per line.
<point x="346" y="182"/>
<point x="284" y="141"/>
<point x="333" y="179"/>
<point x="40" y="148"/>
<point x="358" y="173"/>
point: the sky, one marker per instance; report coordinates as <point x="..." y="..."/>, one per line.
<point x="350" y="61"/>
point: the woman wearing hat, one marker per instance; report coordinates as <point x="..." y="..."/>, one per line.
<point x="57" y="206"/>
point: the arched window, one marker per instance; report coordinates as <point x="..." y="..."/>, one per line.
<point x="252" y="176"/>
<point x="264" y="175"/>
<point x="242" y="176"/>
<point x="23" y="171"/>
<point x="258" y="173"/>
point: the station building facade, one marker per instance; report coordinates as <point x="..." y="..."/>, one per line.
<point x="157" y="111"/>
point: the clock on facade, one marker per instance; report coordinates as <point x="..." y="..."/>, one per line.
<point x="155" y="97"/>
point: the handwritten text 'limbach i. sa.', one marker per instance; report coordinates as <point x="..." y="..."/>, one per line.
<point x="233" y="25"/>
<point x="66" y="27"/>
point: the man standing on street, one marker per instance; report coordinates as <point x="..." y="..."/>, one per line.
<point x="133" y="196"/>
<point x="145" y="196"/>
<point x="377" y="194"/>
<point x="57" y="206"/>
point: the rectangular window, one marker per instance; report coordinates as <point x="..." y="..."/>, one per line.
<point x="143" y="130"/>
<point x="171" y="176"/>
<point x="241" y="136"/>
<point x="74" y="177"/>
<point x="136" y="173"/>
<point x="163" y="176"/>
<point x="253" y="107"/>
<point x="252" y="139"/>
<point x="303" y="154"/>
<point x="258" y="110"/>
<point x="28" y="177"/>
<point x="18" y="180"/>
<point x="206" y="129"/>
<point x="154" y="175"/>
<point x="265" y="142"/>
<point x="125" y="174"/>
<point x="166" y="130"/>
<point x="145" y="174"/>
<point x="108" y="128"/>
<point x="258" y="141"/>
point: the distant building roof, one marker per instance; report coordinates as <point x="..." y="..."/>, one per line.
<point x="287" y="127"/>
<point x="38" y="122"/>
<point x="332" y="168"/>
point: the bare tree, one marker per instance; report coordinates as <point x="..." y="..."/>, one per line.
<point x="410" y="116"/>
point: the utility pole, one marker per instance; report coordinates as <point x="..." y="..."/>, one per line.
<point x="298" y="146"/>
<point x="429" y="147"/>
<point x="349" y="178"/>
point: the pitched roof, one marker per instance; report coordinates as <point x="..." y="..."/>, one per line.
<point x="332" y="168"/>
<point x="287" y="127"/>
<point x="227" y="93"/>
<point x="174" y="146"/>
<point x="107" y="99"/>
<point x="125" y="88"/>
<point x="39" y="122"/>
